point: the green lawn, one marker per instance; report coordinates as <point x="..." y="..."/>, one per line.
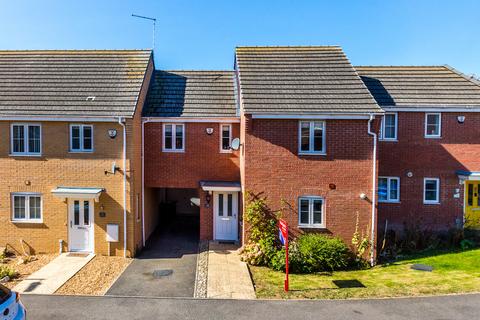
<point x="453" y="273"/>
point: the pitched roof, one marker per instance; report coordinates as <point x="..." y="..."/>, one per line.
<point x="58" y="82"/>
<point x="300" y="80"/>
<point x="191" y="94"/>
<point x="415" y="86"/>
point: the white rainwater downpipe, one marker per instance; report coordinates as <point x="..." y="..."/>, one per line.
<point x="120" y="121"/>
<point x="374" y="189"/>
<point x="143" y="182"/>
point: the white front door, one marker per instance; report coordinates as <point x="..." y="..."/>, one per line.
<point x="80" y="225"/>
<point x="226" y="215"/>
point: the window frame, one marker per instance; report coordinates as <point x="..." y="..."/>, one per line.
<point x="433" y="136"/>
<point x="389" y="200"/>
<point x="82" y="148"/>
<point x="174" y="137"/>
<point x="26" y="151"/>
<point x="382" y="127"/>
<point x="27" y="196"/>
<point x="310" y="212"/>
<point x="229" y="138"/>
<point x="311" y="142"/>
<point x="425" y="201"/>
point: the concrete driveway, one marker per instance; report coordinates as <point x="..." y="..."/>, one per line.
<point x="462" y="307"/>
<point x="166" y="267"/>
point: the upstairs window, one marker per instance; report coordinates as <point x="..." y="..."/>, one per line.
<point x="26" y="207"/>
<point x="26" y="139"/>
<point x="173" y="137"/>
<point x="433" y="125"/>
<point x="81" y="138"/>
<point x="310" y="212"/>
<point x="388" y="189"/>
<point x="431" y="190"/>
<point x="312" y="137"/>
<point x="389" y="127"/>
<point x="226" y="137"/>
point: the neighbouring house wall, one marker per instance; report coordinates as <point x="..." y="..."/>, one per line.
<point x="134" y="154"/>
<point x="274" y="170"/>
<point x="59" y="167"/>
<point x="202" y="160"/>
<point x="457" y="149"/>
<point x="153" y="198"/>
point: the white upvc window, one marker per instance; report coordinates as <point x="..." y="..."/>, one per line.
<point x="431" y="190"/>
<point x="388" y="189"/>
<point x="311" y="137"/>
<point x="26" y="139"/>
<point x="173" y="137"/>
<point x="81" y="138"/>
<point x="225" y="137"/>
<point x="389" y="127"/>
<point x="27" y="207"/>
<point x="433" y="125"/>
<point x="311" y="212"/>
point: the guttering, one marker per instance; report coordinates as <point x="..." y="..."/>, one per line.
<point x="374" y="189"/>
<point x="313" y="116"/>
<point x="437" y="108"/>
<point x="120" y="122"/>
<point x="190" y="119"/>
<point x="59" y="119"/>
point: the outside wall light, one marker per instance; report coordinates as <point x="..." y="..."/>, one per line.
<point x="363" y="196"/>
<point x="461" y="119"/>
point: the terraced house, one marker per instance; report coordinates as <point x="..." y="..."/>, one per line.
<point x="70" y="163"/>
<point x="98" y="149"/>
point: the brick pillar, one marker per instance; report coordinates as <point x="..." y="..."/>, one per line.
<point x="206" y="215"/>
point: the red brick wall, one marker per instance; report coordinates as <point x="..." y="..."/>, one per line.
<point x="457" y="149"/>
<point x="274" y="169"/>
<point x="201" y="160"/>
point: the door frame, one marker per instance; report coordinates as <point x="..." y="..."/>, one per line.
<point x="215" y="215"/>
<point x="91" y="235"/>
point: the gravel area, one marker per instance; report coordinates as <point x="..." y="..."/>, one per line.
<point x="202" y="270"/>
<point x="96" y="277"/>
<point x="25" y="269"/>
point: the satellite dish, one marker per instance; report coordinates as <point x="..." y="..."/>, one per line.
<point x="235" y="145"/>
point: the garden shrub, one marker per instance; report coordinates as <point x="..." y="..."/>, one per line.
<point x="262" y="245"/>
<point x="6" y="271"/>
<point x="314" y="253"/>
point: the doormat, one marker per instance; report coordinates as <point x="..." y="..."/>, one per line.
<point x="75" y="254"/>
<point x="226" y="242"/>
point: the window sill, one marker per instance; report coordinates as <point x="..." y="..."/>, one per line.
<point x="386" y="201"/>
<point x="173" y="151"/>
<point x="27" y="221"/>
<point x="310" y="226"/>
<point x="312" y="153"/>
<point x="25" y="155"/>
<point x="80" y="151"/>
<point x="433" y="137"/>
<point x="226" y="151"/>
<point x="429" y="203"/>
<point x="388" y="140"/>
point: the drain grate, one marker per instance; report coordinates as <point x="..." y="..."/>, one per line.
<point x="157" y="274"/>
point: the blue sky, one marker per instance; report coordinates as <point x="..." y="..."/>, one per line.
<point x="203" y="34"/>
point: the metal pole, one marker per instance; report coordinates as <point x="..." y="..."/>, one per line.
<point x="154" y="22"/>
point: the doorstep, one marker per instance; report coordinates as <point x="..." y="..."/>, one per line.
<point x="52" y="276"/>
<point x="228" y="276"/>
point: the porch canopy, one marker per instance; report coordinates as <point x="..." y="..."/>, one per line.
<point x="468" y="175"/>
<point x="77" y="193"/>
<point x="220" y="186"/>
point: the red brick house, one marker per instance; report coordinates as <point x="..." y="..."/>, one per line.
<point x="429" y="173"/>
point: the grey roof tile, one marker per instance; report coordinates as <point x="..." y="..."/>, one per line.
<point x="191" y="94"/>
<point x="419" y="86"/>
<point x="300" y="80"/>
<point x="58" y="82"/>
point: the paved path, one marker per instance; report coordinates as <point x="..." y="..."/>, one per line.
<point x="465" y="307"/>
<point x="53" y="275"/>
<point x="228" y="277"/>
<point x="166" y="267"/>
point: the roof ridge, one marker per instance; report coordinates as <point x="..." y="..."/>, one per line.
<point x="291" y="47"/>
<point x="399" y="66"/>
<point x="192" y="70"/>
<point x="70" y="50"/>
<point x="463" y="75"/>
